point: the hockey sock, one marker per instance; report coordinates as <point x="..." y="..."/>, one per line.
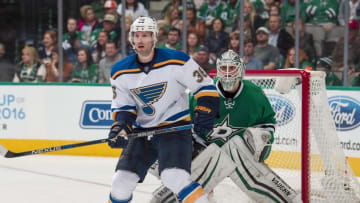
<point x="112" y="200"/>
<point x="192" y="193"/>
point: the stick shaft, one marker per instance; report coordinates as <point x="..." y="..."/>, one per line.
<point x="8" y="154"/>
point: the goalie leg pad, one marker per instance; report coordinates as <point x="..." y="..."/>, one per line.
<point x="256" y="179"/>
<point x="208" y="169"/>
<point x="211" y="167"/>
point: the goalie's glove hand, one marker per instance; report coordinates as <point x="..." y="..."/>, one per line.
<point x="118" y="135"/>
<point x="258" y="142"/>
<point x="203" y="120"/>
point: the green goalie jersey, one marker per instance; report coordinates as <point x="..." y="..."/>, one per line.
<point x="249" y="108"/>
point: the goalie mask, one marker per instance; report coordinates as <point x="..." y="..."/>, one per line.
<point x="230" y="69"/>
<point x="145" y="24"/>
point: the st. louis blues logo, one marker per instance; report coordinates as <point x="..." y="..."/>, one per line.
<point x="148" y="95"/>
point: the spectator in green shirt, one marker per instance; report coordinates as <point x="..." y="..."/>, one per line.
<point x="98" y="6"/>
<point x="288" y="11"/>
<point x="210" y="10"/>
<point x="72" y="28"/>
<point x="231" y="12"/>
<point x="85" y="71"/>
<point x="108" y="27"/>
<point x="324" y="64"/>
<point x="323" y="12"/>
<point x="173" y="40"/>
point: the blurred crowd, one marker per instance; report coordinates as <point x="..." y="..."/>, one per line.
<point x="91" y="44"/>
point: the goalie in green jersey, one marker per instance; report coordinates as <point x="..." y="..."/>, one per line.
<point x="239" y="142"/>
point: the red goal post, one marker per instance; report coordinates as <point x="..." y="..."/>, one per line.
<point x="325" y="175"/>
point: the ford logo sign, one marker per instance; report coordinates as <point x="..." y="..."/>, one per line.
<point x="345" y="112"/>
<point x="283" y="107"/>
<point x="96" y="115"/>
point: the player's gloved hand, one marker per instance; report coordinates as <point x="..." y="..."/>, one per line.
<point x="203" y="120"/>
<point x="118" y="135"/>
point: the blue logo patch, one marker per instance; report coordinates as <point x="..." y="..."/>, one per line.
<point x="284" y="109"/>
<point x="148" y="95"/>
<point x="96" y="115"/>
<point x="345" y="112"/>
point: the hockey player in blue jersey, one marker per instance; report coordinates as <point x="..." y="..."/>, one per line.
<point x="149" y="93"/>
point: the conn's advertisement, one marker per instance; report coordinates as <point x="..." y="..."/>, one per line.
<point x="75" y="112"/>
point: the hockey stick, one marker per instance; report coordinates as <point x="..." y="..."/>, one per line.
<point x="9" y="154"/>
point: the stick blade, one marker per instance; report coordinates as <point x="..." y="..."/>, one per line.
<point x="3" y="151"/>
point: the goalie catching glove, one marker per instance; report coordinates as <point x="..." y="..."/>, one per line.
<point x="259" y="142"/>
<point x="118" y="135"/>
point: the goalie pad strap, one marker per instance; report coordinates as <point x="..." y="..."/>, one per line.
<point x="256" y="179"/>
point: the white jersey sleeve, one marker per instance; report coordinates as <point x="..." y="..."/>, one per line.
<point x="196" y="79"/>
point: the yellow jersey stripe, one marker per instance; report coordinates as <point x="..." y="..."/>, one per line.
<point x="169" y="61"/>
<point x="187" y="118"/>
<point x="125" y="71"/>
<point x="208" y="94"/>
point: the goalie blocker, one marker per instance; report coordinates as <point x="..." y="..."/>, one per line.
<point x="254" y="178"/>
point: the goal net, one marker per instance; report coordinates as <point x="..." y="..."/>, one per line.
<point x="306" y="150"/>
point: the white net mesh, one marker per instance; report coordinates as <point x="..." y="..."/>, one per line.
<point x="331" y="178"/>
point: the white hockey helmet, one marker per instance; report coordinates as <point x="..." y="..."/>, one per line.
<point x="143" y="23"/>
<point x="230" y="69"/>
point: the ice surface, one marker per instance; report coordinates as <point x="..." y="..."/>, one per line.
<point x="68" y="179"/>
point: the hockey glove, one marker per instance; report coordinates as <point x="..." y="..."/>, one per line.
<point x="258" y="142"/>
<point x="203" y="120"/>
<point x="118" y="135"/>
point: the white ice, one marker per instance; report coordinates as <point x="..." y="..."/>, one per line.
<point x="77" y="179"/>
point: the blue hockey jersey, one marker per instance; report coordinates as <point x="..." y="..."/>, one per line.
<point x="158" y="97"/>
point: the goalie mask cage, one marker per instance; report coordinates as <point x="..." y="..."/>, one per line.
<point x="306" y="151"/>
